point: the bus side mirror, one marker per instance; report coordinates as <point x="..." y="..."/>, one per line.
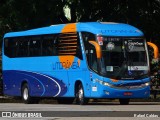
<point x="155" y="48"/>
<point x="98" y="49"/>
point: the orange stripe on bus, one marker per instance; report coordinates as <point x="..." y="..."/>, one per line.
<point x="68" y="28"/>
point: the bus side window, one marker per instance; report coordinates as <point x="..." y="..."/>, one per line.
<point x="7" y="48"/>
<point x="10" y="47"/>
<point x="93" y="59"/>
<point x="35" y="47"/>
<point x="22" y="47"/>
<point x="79" y="50"/>
<point x="69" y="44"/>
<point x="90" y="50"/>
<point x="49" y="45"/>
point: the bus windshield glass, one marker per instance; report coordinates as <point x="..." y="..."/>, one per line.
<point x="124" y="58"/>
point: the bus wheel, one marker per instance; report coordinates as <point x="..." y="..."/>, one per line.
<point x="80" y="98"/>
<point x="25" y="94"/>
<point x="124" y="101"/>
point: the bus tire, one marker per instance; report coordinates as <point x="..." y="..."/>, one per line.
<point x="124" y="101"/>
<point x="80" y="98"/>
<point x="25" y="94"/>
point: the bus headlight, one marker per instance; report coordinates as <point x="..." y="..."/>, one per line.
<point x="104" y="83"/>
<point x="147" y="83"/>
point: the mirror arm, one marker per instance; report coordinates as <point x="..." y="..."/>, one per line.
<point x="98" y="49"/>
<point x="155" y="48"/>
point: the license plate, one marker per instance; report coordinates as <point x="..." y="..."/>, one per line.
<point x="127" y="94"/>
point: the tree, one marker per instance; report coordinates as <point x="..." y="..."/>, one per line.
<point x="16" y="15"/>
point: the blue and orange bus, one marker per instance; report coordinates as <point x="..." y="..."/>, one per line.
<point x="76" y="61"/>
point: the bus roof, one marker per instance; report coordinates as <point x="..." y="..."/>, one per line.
<point x="102" y="28"/>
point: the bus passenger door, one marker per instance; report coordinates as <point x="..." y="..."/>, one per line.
<point x="93" y="70"/>
<point x="93" y="53"/>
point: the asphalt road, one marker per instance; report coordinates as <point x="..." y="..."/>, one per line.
<point x="99" y="111"/>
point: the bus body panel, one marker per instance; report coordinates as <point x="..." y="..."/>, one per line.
<point x="42" y="81"/>
<point x="120" y="89"/>
<point x="109" y="29"/>
<point x="107" y="92"/>
<point x="55" y="76"/>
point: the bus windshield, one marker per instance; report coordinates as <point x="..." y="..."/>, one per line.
<point x="124" y="58"/>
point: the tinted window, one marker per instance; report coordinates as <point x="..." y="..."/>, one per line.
<point x="35" y="46"/>
<point x="10" y="47"/>
<point x="90" y="50"/>
<point x="43" y="45"/>
<point x="22" y="47"/>
<point x="49" y="45"/>
<point x="69" y="44"/>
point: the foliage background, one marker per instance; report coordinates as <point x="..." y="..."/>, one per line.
<point x="17" y="15"/>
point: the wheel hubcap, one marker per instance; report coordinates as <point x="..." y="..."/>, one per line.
<point x="25" y="94"/>
<point x="80" y="95"/>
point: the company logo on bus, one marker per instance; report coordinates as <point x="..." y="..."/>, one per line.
<point x="120" y="31"/>
<point x="66" y="63"/>
<point x="110" y="46"/>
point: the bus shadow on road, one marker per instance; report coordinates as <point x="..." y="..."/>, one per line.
<point x="131" y="103"/>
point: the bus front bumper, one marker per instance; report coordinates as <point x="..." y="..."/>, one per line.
<point x="109" y="92"/>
